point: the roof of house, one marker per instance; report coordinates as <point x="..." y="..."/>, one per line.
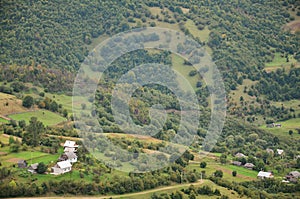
<point x="70" y="143"/>
<point x="264" y="174"/>
<point x="34" y="166"/>
<point x="236" y="162"/>
<point x="69" y="149"/>
<point x="71" y="155"/>
<point x="295" y="174"/>
<point x="21" y="161"/>
<point x="280" y="151"/>
<point x="249" y="165"/>
<point x="64" y="164"/>
<point x="240" y="155"/>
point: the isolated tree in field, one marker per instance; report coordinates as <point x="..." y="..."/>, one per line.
<point x="22" y="123"/>
<point x="218" y="173"/>
<point x="28" y="101"/>
<point x="41" y="168"/>
<point x="11" y="140"/>
<point x="291" y="132"/>
<point x="53" y="106"/>
<point x="192" y="195"/>
<point x="14" y="148"/>
<point x="234" y="173"/>
<point x="65" y="113"/>
<point x="223" y="159"/>
<point x="33" y="132"/>
<point x="202" y="164"/>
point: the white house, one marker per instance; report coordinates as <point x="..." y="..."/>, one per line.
<point x="70" y="146"/>
<point x="249" y="165"/>
<point x="61" y="167"/>
<point x="293" y="176"/>
<point x="68" y="156"/>
<point x="70" y="149"/>
<point x="280" y="151"/>
<point x="240" y="155"/>
<point x="33" y="168"/>
<point x="263" y="175"/>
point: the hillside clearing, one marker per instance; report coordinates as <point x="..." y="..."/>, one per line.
<point x="3" y="120"/>
<point x="48" y="118"/>
<point x="9" y="104"/>
<point x="280" y="61"/>
<point x="283" y="132"/>
<point x="202" y="34"/>
<point x="184" y="70"/>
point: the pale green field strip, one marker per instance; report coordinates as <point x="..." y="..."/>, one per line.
<point x="48" y="118"/>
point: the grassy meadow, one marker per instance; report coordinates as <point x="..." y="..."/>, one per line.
<point x="48" y="118"/>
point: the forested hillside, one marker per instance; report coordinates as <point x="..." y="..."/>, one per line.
<point x="255" y="45"/>
<point x="242" y="37"/>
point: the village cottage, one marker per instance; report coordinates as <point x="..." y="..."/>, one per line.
<point x="240" y="155"/>
<point x="249" y="165"/>
<point x="293" y="176"/>
<point x="263" y="175"/>
<point x="61" y="168"/>
<point x="33" y="168"/>
<point x="237" y="163"/>
<point x="22" y="164"/>
<point x="68" y="156"/>
<point x="70" y="146"/>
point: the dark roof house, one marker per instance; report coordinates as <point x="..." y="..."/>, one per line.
<point x="240" y="155"/>
<point x="22" y="164"/>
<point x="237" y="163"/>
<point x="293" y="176"/>
<point x="249" y="165"/>
<point x="33" y="168"/>
<point x="68" y="156"/>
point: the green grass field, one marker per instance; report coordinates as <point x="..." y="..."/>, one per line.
<point x="31" y="157"/>
<point x="184" y="71"/>
<point x="74" y="175"/>
<point x="202" y="34"/>
<point x="241" y="170"/>
<point x="65" y="100"/>
<point x="3" y="120"/>
<point x="243" y="173"/>
<point x="280" y="62"/>
<point x="283" y="132"/>
<point x="48" y="118"/>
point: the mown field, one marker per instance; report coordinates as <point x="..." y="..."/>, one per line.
<point x="184" y="71"/>
<point x="280" y="61"/>
<point x="202" y="34"/>
<point x="243" y="174"/>
<point x="3" y="120"/>
<point x="48" y="118"/>
<point x="283" y="132"/>
<point x="32" y="156"/>
<point x="10" y="104"/>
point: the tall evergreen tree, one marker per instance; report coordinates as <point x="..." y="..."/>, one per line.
<point x="33" y="132"/>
